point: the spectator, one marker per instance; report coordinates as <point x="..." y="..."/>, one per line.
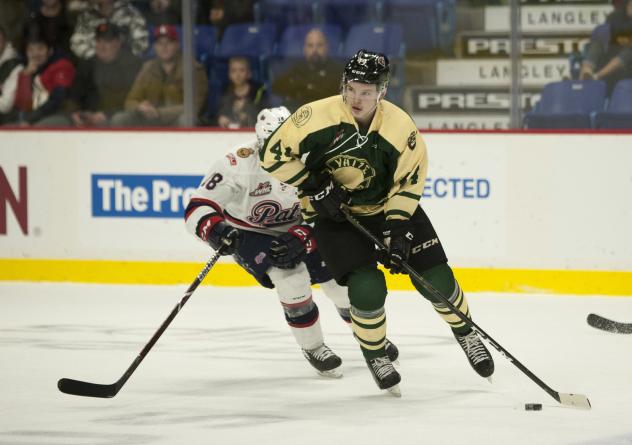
<point x="119" y="12"/>
<point x="13" y="15"/>
<point x="314" y="78"/>
<point x="163" y="12"/>
<point x="44" y="83"/>
<point x="243" y="98"/>
<point x="51" y="18"/>
<point x="221" y="13"/>
<point x="157" y="95"/>
<point x="614" y="62"/>
<point x="9" y="70"/>
<point x="102" y="82"/>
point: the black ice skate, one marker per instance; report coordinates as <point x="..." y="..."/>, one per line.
<point x="391" y="351"/>
<point x="477" y="354"/>
<point x="324" y="361"/>
<point x="385" y="374"/>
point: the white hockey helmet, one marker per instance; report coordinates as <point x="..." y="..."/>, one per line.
<point x="269" y="120"/>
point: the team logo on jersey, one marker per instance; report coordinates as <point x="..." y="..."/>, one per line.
<point x="270" y="213"/>
<point x="244" y="152"/>
<point x="262" y="189"/>
<point x="302" y="115"/>
<point x="412" y="140"/>
<point x="232" y="159"/>
<point x="339" y="135"/>
<point x="355" y="173"/>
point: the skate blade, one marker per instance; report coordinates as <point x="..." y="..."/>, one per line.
<point x="331" y="374"/>
<point x="394" y="391"/>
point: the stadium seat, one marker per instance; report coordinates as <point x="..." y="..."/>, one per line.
<point x="567" y="104"/>
<point x="428" y="25"/>
<point x="618" y="112"/>
<point x="387" y="38"/>
<point x="347" y="13"/>
<point x="291" y="43"/>
<point x="283" y="13"/>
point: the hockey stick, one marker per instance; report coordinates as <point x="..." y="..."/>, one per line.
<point x="605" y="324"/>
<point x="87" y="389"/>
<point x="574" y="400"/>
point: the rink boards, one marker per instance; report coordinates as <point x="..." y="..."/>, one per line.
<point x="515" y="212"/>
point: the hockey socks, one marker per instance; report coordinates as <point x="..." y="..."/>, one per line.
<point x="369" y="328"/>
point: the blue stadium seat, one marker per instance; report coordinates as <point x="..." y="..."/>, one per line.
<point x="618" y="112"/>
<point x="387" y="38"/>
<point x="291" y="43"/>
<point x="347" y="13"/>
<point x="567" y="104"/>
<point x="428" y="24"/>
<point x="283" y="13"/>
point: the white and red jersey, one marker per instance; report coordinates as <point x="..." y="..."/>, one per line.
<point x="239" y="190"/>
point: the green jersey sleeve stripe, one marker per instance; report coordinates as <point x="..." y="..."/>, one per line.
<point x="297" y="176"/>
<point x="274" y="167"/>
<point x="398" y="212"/>
<point x="409" y="195"/>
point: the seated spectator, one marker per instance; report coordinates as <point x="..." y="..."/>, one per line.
<point x="614" y="62"/>
<point x="45" y="81"/>
<point x="51" y="18"/>
<point x="315" y="78"/>
<point x="243" y="98"/>
<point x="10" y="68"/>
<point x="221" y="13"/>
<point x="13" y="16"/>
<point x="119" y="12"/>
<point x="102" y="82"/>
<point x="163" y="12"/>
<point x="157" y="95"/>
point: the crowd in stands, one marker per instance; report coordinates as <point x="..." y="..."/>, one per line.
<point x="91" y="63"/>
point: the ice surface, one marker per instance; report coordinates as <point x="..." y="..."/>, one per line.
<point x="227" y="371"/>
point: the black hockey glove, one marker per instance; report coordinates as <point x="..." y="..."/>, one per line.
<point x="398" y="236"/>
<point x="291" y="247"/>
<point x="326" y="196"/>
<point x="221" y="234"/>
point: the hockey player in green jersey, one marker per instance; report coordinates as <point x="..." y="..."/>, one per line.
<point x="361" y="152"/>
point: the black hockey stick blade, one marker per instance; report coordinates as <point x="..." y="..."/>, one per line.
<point x="605" y="324"/>
<point x="87" y="389"/>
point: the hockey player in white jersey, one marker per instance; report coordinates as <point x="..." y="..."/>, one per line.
<point x="257" y="219"/>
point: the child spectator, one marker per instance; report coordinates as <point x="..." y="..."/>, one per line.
<point x="157" y="96"/>
<point x="10" y="68"/>
<point x="119" y="12"/>
<point x="44" y="83"/>
<point x="243" y="98"/>
<point x="51" y="18"/>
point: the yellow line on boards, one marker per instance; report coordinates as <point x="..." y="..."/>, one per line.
<point x="229" y="274"/>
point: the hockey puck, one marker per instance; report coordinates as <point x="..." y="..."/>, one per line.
<point x="533" y="407"/>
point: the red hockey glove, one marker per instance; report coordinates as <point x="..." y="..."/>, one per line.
<point x="290" y="248"/>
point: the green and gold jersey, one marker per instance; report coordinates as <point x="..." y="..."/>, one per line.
<point x="384" y="169"/>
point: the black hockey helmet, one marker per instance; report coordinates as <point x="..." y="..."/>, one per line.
<point x="367" y="67"/>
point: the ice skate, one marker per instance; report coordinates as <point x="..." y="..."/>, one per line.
<point x="391" y="351"/>
<point x="324" y="360"/>
<point x="385" y="374"/>
<point x="477" y="354"/>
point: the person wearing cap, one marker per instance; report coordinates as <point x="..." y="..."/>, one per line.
<point x="358" y="152"/>
<point x="102" y="82"/>
<point x="120" y="12"/>
<point x="44" y="82"/>
<point x="157" y="95"/>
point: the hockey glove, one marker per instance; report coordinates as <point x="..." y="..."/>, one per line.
<point x="291" y="247"/>
<point x="398" y="236"/>
<point x="218" y="233"/>
<point x="326" y="196"/>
